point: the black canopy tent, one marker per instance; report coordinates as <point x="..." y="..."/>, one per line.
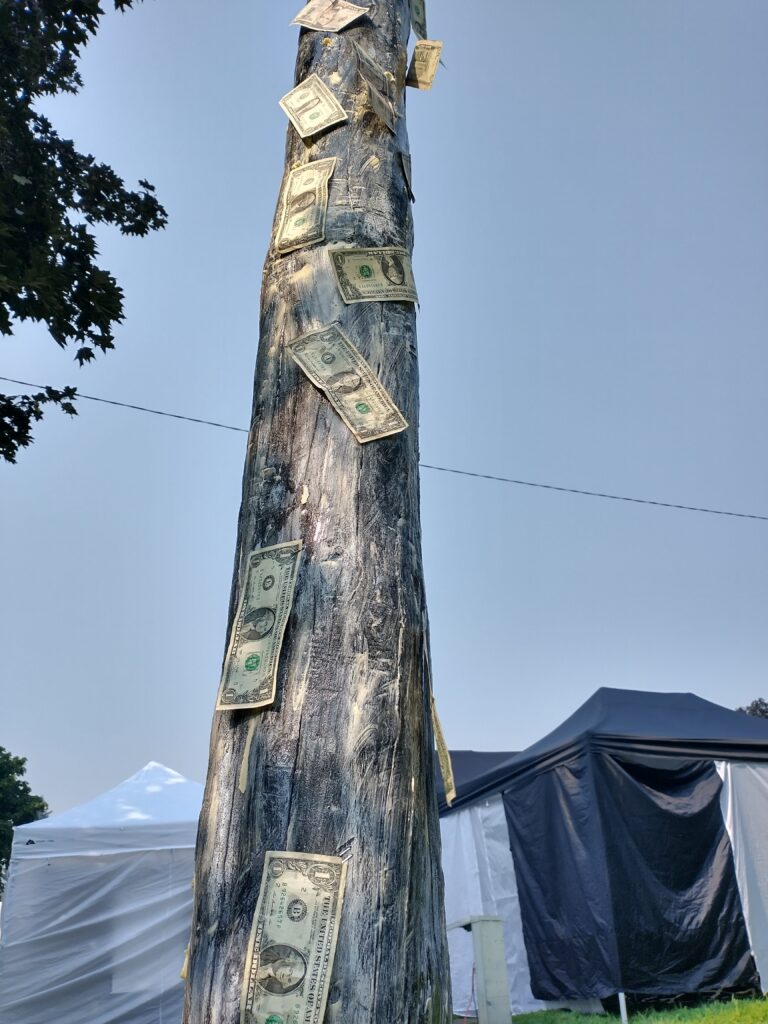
<point x="624" y="867"/>
<point x="663" y="723"/>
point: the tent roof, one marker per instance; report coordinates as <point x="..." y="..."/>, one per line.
<point x="468" y="766"/>
<point x="156" y="805"/>
<point x="666" y="724"/>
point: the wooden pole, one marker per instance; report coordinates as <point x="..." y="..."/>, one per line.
<point x="342" y="763"/>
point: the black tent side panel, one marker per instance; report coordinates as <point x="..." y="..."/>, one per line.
<point x="626" y="879"/>
<point x="565" y="905"/>
<point x="677" y="914"/>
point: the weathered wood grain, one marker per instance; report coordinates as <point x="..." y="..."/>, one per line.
<point x="342" y="763"/>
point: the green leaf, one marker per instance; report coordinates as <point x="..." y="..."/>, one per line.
<point x="50" y="271"/>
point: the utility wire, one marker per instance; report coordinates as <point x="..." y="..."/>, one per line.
<point x="426" y="465"/>
<point x="139" y="408"/>
<point x="595" y="494"/>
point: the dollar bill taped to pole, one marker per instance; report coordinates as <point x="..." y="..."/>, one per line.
<point x="424" y="62"/>
<point x="374" y="275"/>
<point x="312" y="107"/>
<point x="328" y="15"/>
<point x="419" y="18"/>
<point x="381" y="87"/>
<point x="292" y="944"/>
<point x="304" y="205"/>
<point x="249" y="677"/>
<point x="405" y="162"/>
<point x="443" y="757"/>
<point x="334" y="365"/>
<point x="443" y="754"/>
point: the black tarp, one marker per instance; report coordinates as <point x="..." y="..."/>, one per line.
<point x="677" y="914"/>
<point x="626" y="880"/>
<point x="624" y="868"/>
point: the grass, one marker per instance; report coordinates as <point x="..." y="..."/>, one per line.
<point x="742" y="1011"/>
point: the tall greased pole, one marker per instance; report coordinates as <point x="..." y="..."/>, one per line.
<point x="318" y="892"/>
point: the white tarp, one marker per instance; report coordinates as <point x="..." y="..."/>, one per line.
<point x="480" y="879"/>
<point x="744" y="803"/>
<point x="97" y="907"/>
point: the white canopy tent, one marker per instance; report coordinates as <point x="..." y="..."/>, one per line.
<point x="97" y="907"/>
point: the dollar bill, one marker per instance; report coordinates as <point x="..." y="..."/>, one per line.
<point x="374" y="73"/>
<point x="250" y="667"/>
<point x="328" y="15"/>
<point x="426" y="57"/>
<point x="293" y="938"/>
<point x="419" y="18"/>
<point x="334" y="365"/>
<point x="382" y="107"/>
<point x="312" y="107"/>
<point x="381" y="87"/>
<point x="303" y="206"/>
<point x="374" y="275"/>
<point x="405" y="161"/>
<point x="443" y="757"/>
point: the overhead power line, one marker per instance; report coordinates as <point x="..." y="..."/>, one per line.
<point x="594" y="494"/>
<point x="138" y="408"/>
<point x="426" y="465"/>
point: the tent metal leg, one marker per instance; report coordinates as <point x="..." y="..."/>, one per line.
<point x="623" y="1008"/>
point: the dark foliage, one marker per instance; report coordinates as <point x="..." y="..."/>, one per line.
<point x="758" y="707"/>
<point x="18" y="805"/>
<point x="50" y="196"/>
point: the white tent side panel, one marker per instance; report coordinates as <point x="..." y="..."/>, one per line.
<point x="98" y="938"/>
<point x="96" y="919"/>
<point x="480" y="879"/>
<point x="744" y="804"/>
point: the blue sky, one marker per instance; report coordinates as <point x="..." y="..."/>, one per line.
<point x="591" y="257"/>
